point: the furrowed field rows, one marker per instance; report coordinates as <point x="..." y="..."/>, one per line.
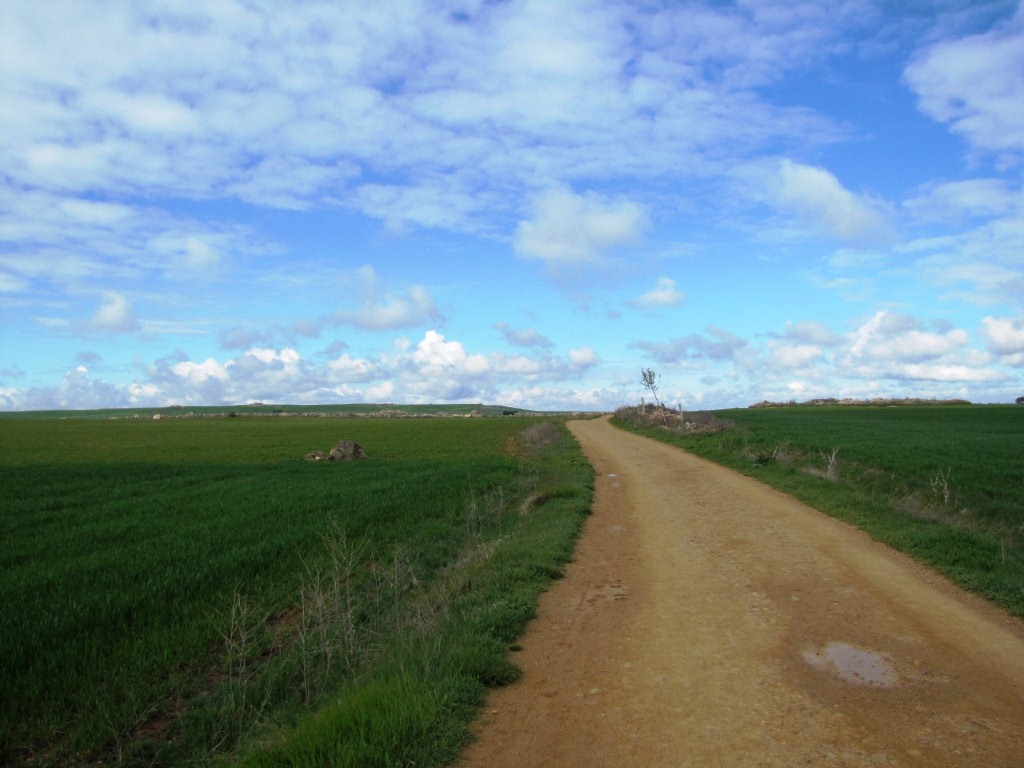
<point x="182" y="590"/>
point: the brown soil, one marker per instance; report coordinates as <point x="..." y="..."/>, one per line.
<point x="708" y="620"/>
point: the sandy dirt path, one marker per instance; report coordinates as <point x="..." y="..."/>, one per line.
<point x="708" y="620"/>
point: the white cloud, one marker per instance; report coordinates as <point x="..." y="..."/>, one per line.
<point x="66" y="241"/>
<point x="197" y="373"/>
<point x="145" y="112"/>
<point x="380" y="309"/>
<point x="12" y="284"/>
<point x="523" y="337"/>
<point x="354" y="369"/>
<point x="437" y="203"/>
<point x="889" y="336"/>
<point x="664" y="294"/>
<point x="793" y="355"/>
<point x="899" y="348"/>
<point x="976" y="85"/>
<point x="578" y="230"/>
<point x="948" y="372"/>
<point x="115" y="314"/>
<point x="810" y="332"/>
<point x="94" y="212"/>
<point x="1006" y="339"/>
<point x="286" y="357"/>
<point x="584" y="357"/>
<point x="433" y="354"/>
<point x="382" y="393"/>
<point x="435" y="369"/>
<point x="820" y="200"/>
<point x="718" y="345"/>
<point x="76" y="389"/>
<point x="968" y="198"/>
<point x="979" y="264"/>
<point x="287" y="105"/>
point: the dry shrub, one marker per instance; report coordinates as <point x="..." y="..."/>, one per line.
<point x="540" y="434"/>
<point x="681" y="422"/>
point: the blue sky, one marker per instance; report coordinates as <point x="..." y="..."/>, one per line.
<point x="525" y="203"/>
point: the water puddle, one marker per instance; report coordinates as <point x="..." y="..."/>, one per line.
<point x="854" y="665"/>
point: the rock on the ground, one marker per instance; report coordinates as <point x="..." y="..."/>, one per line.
<point x="346" y="450"/>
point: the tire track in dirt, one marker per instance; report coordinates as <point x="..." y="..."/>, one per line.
<point x="708" y="620"/>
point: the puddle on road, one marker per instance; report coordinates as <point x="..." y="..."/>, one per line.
<point x="854" y="665"/>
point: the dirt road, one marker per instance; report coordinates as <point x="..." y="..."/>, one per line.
<point x="710" y="621"/>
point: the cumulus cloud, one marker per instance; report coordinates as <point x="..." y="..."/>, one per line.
<point x="198" y="373"/>
<point x="351" y="369"/>
<point x="434" y="369"/>
<point x="664" y="294"/>
<point x="434" y="354"/>
<point x="816" y="196"/>
<point x="975" y="84"/>
<point x="1006" y="339"/>
<point x="890" y="336"/>
<point x="571" y="230"/>
<point x="76" y="389"/>
<point x="901" y="348"/>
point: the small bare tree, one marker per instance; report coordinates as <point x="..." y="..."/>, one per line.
<point x="651" y="382"/>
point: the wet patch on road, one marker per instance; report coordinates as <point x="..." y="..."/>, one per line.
<point x="854" y="665"/>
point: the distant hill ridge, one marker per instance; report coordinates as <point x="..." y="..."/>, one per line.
<point x="875" y="401"/>
<point x="267" y="410"/>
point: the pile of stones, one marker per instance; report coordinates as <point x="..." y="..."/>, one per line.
<point x="345" y="450"/>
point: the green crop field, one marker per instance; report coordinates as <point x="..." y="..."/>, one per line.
<point x="191" y="590"/>
<point x="943" y="483"/>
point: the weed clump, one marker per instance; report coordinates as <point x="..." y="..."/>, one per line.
<point x="540" y="434"/>
<point x="672" y="420"/>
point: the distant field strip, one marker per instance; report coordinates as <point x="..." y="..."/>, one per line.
<point x="179" y="590"/>
<point x="943" y="483"/>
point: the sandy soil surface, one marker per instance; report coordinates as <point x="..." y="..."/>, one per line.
<point x="708" y="620"/>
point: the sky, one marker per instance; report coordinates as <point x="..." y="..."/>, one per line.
<point x="519" y="203"/>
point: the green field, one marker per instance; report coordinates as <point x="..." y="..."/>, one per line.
<point x="190" y="590"/>
<point x="943" y="483"/>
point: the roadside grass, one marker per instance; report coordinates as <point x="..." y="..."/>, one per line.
<point x="192" y="591"/>
<point x="943" y="483"/>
